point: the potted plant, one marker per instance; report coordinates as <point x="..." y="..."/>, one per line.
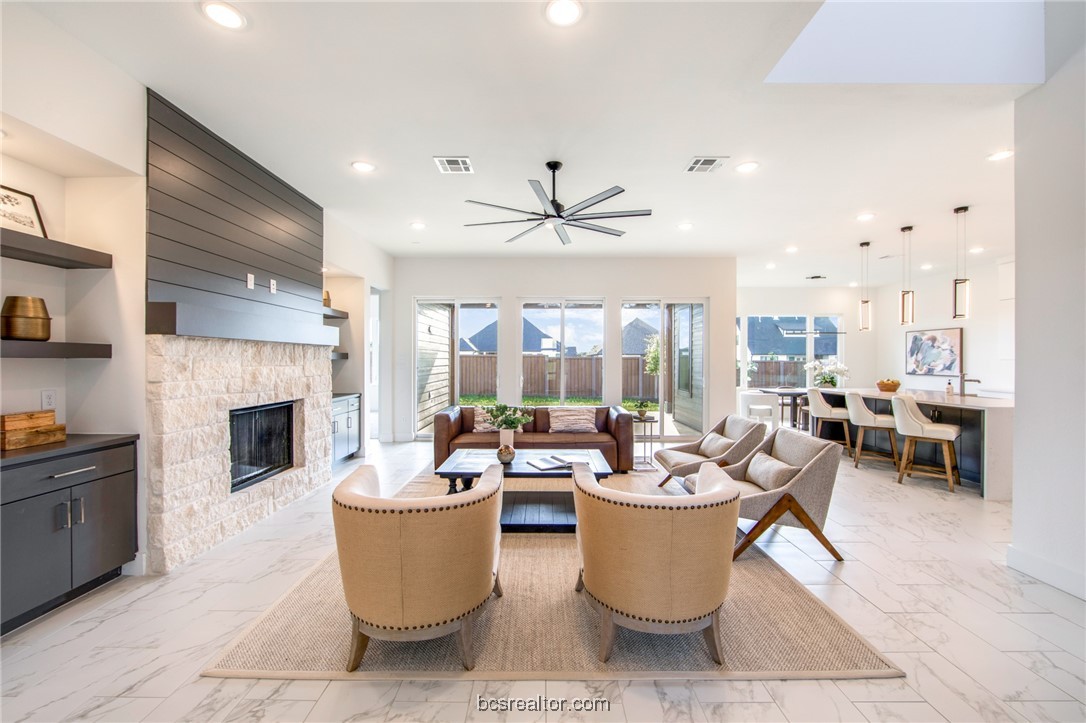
<point x="827" y="372"/>
<point x="641" y="406"/>
<point x="508" y="419"/>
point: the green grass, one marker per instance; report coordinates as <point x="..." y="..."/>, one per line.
<point x="485" y="400"/>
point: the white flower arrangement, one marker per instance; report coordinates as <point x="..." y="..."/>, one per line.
<point x="827" y="371"/>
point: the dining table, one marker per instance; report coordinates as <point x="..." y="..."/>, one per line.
<point x="794" y="395"/>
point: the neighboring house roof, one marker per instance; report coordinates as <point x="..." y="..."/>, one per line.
<point x="635" y="337"/>
<point x="764" y="336"/>
<point x="485" y="341"/>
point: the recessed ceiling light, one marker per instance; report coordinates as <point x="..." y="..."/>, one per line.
<point x="926" y="267"/>
<point x="223" y="14"/>
<point x="853" y="284"/>
<point x="685" y="226"/>
<point x="324" y="269"/>
<point x="771" y="266"/>
<point x="865" y="217"/>
<point x="977" y="250"/>
<point x="747" y="167"/>
<point x="363" y="167"/>
<point x="1001" y="155"/>
<point x="563" y="12"/>
<point x="418" y="225"/>
<point x="791" y="249"/>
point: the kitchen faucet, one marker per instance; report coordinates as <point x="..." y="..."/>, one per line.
<point x="962" y="379"/>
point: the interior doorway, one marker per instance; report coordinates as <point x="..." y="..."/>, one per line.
<point x="373" y="364"/>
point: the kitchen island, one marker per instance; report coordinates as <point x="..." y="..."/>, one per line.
<point x="984" y="449"/>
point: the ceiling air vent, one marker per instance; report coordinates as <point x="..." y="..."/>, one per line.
<point x="453" y="164"/>
<point x="705" y="164"/>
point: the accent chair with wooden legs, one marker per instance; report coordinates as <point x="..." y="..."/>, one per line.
<point x="915" y="427"/>
<point x="652" y="563"/>
<point x="864" y="419"/>
<point x="726" y="443"/>
<point x="787" y="480"/>
<point x="416" y="568"/>
<point x="822" y="412"/>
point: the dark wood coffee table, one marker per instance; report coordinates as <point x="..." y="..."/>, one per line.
<point x="526" y="511"/>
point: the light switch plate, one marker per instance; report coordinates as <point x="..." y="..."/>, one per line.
<point x="250" y="281"/>
<point x="272" y="286"/>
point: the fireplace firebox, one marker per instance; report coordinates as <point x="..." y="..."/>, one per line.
<point x="261" y="443"/>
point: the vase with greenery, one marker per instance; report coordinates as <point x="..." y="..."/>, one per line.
<point x="508" y="419"/>
<point x="641" y="406"/>
<point x="828" y="372"/>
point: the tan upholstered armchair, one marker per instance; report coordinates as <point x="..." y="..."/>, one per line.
<point x="400" y="580"/>
<point x="726" y="443"/>
<point x="788" y="480"/>
<point x="652" y="563"/>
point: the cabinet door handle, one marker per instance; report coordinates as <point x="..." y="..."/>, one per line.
<point x="335" y="426"/>
<point x="81" y="509"/>
<point x="348" y="422"/>
<point x="74" y="471"/>
<point x="64" y="514"/>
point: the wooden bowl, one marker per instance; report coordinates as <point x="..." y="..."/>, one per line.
<point x="888" y="386"/>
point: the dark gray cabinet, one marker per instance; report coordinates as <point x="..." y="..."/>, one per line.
<point x="346" y="425"/>
<point x="68" y="518"/>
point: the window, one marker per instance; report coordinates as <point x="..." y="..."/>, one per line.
<point x="641" y="363"/>
<point x="477" y="338"/>
<point x="562" y="353"/>
<point x="778" y="347"/>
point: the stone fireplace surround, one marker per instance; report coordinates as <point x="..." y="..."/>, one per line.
<point x="192" y="384"/>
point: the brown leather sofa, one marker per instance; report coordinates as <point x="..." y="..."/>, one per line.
<point x="613" y="437"/>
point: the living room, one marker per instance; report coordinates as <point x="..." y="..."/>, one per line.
<point x="964" y="601"/>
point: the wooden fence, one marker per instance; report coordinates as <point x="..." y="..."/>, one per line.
<point x="778" y="374"/>
<point x="584" y="376"/>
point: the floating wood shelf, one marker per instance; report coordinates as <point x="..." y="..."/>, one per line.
<point x="330" y="313"/>
<point x="16" y="349"/>
<point x="339" y="355"/>
<point x="50" y="252"/>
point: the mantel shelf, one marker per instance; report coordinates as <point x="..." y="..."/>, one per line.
<point x="18" y="349"/>
<point x="50" y="252"/>
<point x="337" y="314"/>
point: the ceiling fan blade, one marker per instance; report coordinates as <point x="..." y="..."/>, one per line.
<point x="598" y="198"/>
<point x="523" y="233"/>
<point x="504" y="208"/>
<point x="610" y="214"/>
<point x="492" y="223"/>
<point x="561" y="231"/>
<point x="542" y="196"/>
<point x="594" y="227"/>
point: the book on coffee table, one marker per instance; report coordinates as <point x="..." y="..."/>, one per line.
<point x="551" y="462"/>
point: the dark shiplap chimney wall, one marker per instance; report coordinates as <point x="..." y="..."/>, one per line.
<point x="215" y="215"/>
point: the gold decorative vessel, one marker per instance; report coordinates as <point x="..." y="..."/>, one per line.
<point x="25" y="318"/>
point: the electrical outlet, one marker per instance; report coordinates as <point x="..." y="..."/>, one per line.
<point x="48" y="398"/>
<point x="250" y="281"/>
<point x="272" y="285"/>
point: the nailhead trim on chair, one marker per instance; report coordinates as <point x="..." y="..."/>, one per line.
<point x="443" y="508"/>
<point x="656" y="507"/>
<point x="427" y="625"/>
<point x="652" y="620"/>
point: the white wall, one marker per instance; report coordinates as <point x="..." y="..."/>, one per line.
<point x="981" y="333"/>
<point x="614" y="280"/>
<point x="859" y="349"/>
<point x="1049" y="537"/>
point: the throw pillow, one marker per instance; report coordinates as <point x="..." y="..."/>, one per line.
<point x="770" y="473"/>
<point x="573" y="419"/>
<point x="714" y="445"/>
<point x="483" y="422"/>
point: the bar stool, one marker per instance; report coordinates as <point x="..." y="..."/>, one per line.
<point x="823" y="412"/>
<point x="759" y="405"/>
<point x="915" y="427"/>
<point x="865" y="419"/>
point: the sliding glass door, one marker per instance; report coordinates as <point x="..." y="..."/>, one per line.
<point x="434" y="366"/>
<point x="683" y="345"/>
<point x="562" y="353"/>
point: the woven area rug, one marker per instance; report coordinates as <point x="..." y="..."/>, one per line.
<point x="541" y="629"/>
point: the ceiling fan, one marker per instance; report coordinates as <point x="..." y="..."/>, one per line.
<point x="558" y="217"/>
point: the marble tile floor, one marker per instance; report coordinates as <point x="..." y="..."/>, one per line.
<point x="924" y="581"/>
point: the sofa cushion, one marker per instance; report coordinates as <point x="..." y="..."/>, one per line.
<point x="575" y="420"/>
<point x="483" y="422"/>
<point x="715" y="445"/>
<point x="672" y="458"/>
<point x="570" y="439"/>
<point x="769" y="473"/>
<point x="475" y="440"/>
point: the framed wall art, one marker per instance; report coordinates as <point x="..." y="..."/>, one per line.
<point x="19" y="211"/>
<point x="936" y="353"/>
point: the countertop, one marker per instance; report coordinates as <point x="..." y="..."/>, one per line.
<point x="926" y="396"/>
<point x="75" y="443"/>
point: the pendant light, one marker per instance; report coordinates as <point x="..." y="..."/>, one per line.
<point x="961" y="280"/>
<point x="906" y="308"/>
<point x="865" y="299"/>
